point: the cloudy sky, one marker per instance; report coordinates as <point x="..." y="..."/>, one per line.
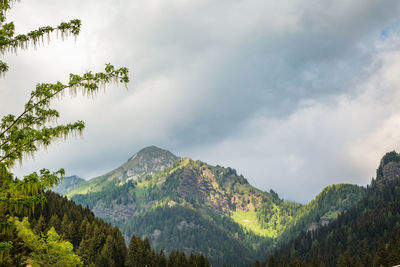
<point x="295" y="95"/>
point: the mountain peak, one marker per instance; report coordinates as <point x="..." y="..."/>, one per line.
<point x="147" y="161"/>
<point x="389" y="167"/>
<point x="152" y="152"/>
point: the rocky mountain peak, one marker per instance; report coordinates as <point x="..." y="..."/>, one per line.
<point x="152" y="152"/>
<point x="389" y="167"/>
<point x="147" y="161"/>
<point x="391" y="170"/>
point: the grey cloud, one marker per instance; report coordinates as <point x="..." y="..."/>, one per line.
<point x="202" y="71"/>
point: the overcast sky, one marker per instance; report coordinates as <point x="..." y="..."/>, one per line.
<point x="295" y="95"/>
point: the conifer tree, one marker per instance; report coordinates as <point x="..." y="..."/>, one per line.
<point x="381" y="257"/>
<point x="181" y="259"/>
<point x="272" y="262"/>
<point x="108" y="254"/>
<point x="162" y="260"/>
<point x="366" y="256"/>
<point x="40" y="225"/>
<point x="119" y="247"/>
<point x="172" y="261"/>
<point x="132" y="259"/>
<point x="54" y="222"/>
<point x="345" y="260"/>
<point x="35" y="127"/>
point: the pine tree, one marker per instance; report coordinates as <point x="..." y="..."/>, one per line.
<point x="86" y="252"/>
<point x="366" y="258"/>
<point x="145" y="253"/>
<point x="35" y="127"/>
<point x="272" y="262"/>
<point x="54" y="222"/>
<point x="108" y="254"/>
<point x="297" y="263"/>
<point x="162" y="260"/>
<point x="40" y="225"/>
<point x="393" y="252"/>
<point x="381" y="256"/>
<point x="132" y="259"/>
<point x="181" y="259"/>
<point x="172" y="259"/>
<point x="66" y="230"/>
<point x="119" y="247"/>
<point x="345" y="260"/>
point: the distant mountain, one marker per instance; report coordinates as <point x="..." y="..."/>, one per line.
<point x="368" y="234"/>
<point x="195" y="207"/>
<point x="67" y="184"/>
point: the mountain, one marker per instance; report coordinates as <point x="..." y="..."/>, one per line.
<point x="189" y="205"/>
<point x="145" y="163"/>
<point x="368" y="234"/>
<point x="67" y="184"/>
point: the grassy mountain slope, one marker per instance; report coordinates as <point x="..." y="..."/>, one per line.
<point x="192" y="206"/>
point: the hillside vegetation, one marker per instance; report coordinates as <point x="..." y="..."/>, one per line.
<point x="368" y="234"/>
<point x="189" y="205"/>
<point x="61" y="233"/>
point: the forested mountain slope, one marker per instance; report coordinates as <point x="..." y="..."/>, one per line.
<point x="368" y="234"/>
<point x="95" y="242"/>
<point x="189" y="205"/>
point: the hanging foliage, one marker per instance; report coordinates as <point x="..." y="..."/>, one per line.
<point x="35" y="127"/>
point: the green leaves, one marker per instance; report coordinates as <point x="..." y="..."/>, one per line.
<point x="34" y="128"/>
<point x="9" y="42"/>
<point x="48" y="251"/>
<point x="23" y="135"/>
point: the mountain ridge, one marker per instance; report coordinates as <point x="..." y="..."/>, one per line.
<point x="368" y="234"/>
<point x="174" y="187"/>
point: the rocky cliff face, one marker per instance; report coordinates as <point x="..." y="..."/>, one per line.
<point x="391" y="171"/>
<point x="147" y="162"/>
<point x="389" y="167"/>
<point x="215" y="188"/>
